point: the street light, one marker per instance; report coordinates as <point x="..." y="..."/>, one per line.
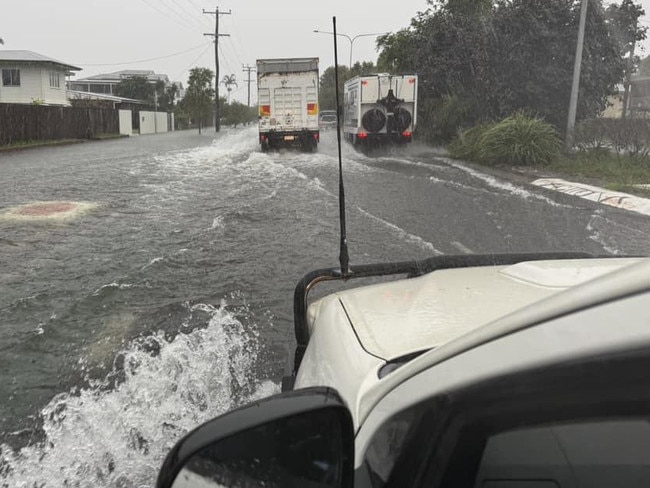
<point x="351" y="39"/>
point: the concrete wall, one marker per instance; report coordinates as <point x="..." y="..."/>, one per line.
<point x="161" y="122"/>
<point x="126" y="124"/>
<point x="147" y="123"/>
<point x="153" y="122"/>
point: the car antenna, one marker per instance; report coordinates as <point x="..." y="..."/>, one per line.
<point x="344" y="258"/>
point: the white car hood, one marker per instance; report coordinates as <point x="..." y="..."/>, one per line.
<point x="405" y="316"/>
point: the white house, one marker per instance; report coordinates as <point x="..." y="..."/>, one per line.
<point x="106" y="82"/>
<point x="29" y="77"/>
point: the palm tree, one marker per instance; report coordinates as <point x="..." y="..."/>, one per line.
<point x="229" y="81"/>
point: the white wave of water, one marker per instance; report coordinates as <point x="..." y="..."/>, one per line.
<point x="118" y="436"/>
<point x="503" y="185"/>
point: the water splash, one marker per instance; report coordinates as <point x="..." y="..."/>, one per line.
<point x="115" y="433"/>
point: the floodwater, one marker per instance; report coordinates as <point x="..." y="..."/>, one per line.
<point x="167" y="300"/>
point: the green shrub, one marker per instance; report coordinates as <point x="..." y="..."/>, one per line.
<point x="467" y="144"/>
<point x="440" y="119"/>
<point x="519" y="140"/>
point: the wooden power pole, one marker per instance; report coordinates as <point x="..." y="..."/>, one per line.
<point x="216" y="35"/>
<point x="248" y="69"/>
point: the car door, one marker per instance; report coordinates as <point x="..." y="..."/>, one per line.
<point x="563" y="403"/>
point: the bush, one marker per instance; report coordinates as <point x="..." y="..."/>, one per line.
<point x="468" y="143"/>
<point x="625" y="136"/>
<point x="519" y="140"/>
<point x="593" y="134"/>
<point x="440" y="119"/>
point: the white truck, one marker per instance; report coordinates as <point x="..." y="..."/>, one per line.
<point x="380" y="109"/>
<point x="287" y="94"/>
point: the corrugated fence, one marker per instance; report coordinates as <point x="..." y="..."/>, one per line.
<point x="41" y="123"/>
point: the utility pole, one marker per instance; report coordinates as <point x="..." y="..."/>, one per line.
<point x="248" y="69"/>
<point x="573" y="103"/>
<point x="216" y="35"/>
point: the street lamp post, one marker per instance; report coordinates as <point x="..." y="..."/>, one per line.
<point x="350" y="39"/>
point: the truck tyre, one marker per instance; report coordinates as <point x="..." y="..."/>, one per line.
<point x="373" y="120"/>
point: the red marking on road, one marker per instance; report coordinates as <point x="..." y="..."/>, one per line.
<point x="45" y="209"/>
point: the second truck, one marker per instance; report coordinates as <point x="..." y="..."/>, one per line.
<point x="380" y="109"/>
<point x="287" y="93"/>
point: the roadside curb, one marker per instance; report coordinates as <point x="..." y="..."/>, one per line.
<point x="615" y="199"/>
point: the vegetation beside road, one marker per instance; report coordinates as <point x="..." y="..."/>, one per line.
<point x="14" y="146"/>
<point x="613" y="153"/>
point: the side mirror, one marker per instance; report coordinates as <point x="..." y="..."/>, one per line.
<point x="302" y="438"/>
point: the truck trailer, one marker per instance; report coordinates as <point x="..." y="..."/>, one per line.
<point x="380" y="109"/>
<point x="287" y="94"/>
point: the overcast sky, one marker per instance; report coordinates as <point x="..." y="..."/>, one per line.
<point x="105" y="36"/>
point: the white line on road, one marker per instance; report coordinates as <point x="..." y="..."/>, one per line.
<point x="462" y="247"/>
<point x="598" y="195"/>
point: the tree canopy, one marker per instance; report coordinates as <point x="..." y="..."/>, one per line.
<point x="199" y="95"/>
<point x="327" y="95"/>
<point x="487" y="59"/>
<point x="136" y="87"/>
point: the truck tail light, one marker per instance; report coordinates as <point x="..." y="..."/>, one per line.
<point x="316" y="136"/>
<point x="406" y="133"/>
<point x="362" y="135"/>
<point x="263" y="138"/>
<point x="312" y="109"/>
<point x="265" y="110"/>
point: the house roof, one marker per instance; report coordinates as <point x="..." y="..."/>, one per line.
<point x="75" y="94"/>
<point x="117" y="76"/>
<point x="32" y="57"/>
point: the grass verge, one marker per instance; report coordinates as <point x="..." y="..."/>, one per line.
<point x="612" y="171"/>
<point x="14" y="146"/>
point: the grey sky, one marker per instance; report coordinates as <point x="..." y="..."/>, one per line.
<point x="90" y="33"/>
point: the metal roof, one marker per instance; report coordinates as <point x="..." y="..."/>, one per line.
<point x="32" y="57"/>
<point x="76" y="94"/>
<point x="118" y="76"/>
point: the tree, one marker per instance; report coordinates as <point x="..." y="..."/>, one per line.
<point x="136" y="87"/>
<point x="485" y="60"/>
<point x="236" y="113"/>
<point x="327" y="92"/>
<point x="199" y="95"/>
<point x="397" y="51"/>
<point x="623" y="21"/>
<point x="228" y="81"/>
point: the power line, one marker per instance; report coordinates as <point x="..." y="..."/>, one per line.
<point x="182" y="11"/>
<point x="195" y="60"/>
<point x="153" y="6"/>
<point x="196" y="6"/>
<point x="149" y="59"/>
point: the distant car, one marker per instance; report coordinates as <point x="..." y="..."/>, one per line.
<point x="327" y="119"/>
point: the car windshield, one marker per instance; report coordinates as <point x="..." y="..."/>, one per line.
<point x="157" y="209"/>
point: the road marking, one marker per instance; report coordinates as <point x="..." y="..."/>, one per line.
<point x="599" y="195"/>
<point x="462" y="247"/>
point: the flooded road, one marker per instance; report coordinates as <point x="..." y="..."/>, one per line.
<point x="168" y="299"/>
